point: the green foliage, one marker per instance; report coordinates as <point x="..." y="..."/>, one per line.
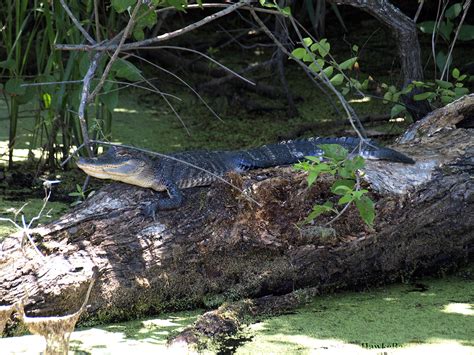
<point x="273" y="4"/>
<point x="317" y="54"/>
<point x="447" y="28"/>
<point x="80" y="194"/>
<point x="338" y="163"/>
<point x="438" y="93"/>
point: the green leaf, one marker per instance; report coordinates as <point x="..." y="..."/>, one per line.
<point x="355" y="48"/>
<point x="453" y="11"/>
<point x="146" y="18"/>
<point x="307" y="41"/>
<point x="455" y="73"/>
<point x="110" y="96"/>
<point x="299" y="53"/>
<point x="446" y="29"/>
<point x="286" y="11"/>
<point x="345" y="199"/>
<point x="138" y="34"/>
<point x="337" y="79"/>
<point x="328" y="71"/>
<point x="359" y="193"/>
<point x="447" y="99"/>
<point x="424" y="96"/>
<point x="427" y="26"/>
<point x="397" y="110"/>
<point x="29" y="95"/>
<point x="348" y="64"/>
<point x="122" y="5"/>
<point x="314" y="159"/>
<point x="180" y="5"/>
<point x="466" y="33"/>
<point x="317" y="65"/>
<point x="334" y="151"/>
<point x="387" y="97"/>
<point x="355" y="163"/>
<point x="308" y="57"/>
<point x="323" y="47"/>
<point x="13" y="87"/>
<point x="125" y="69"/>
<point x="46" y="100"/>
<point x="84" y="63"/>
<point x="441" y="60"/>
<point x="444" y="84"/>
<point x="366" y="209"/>
<point x="319" y="210"/>
<point x="312" y="176"/>
<point x="461" y="92"/>
<point x="342" y="186"/>
<point x="8" y="64"/>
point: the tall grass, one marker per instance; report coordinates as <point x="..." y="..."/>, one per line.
<point x="29" y="30"/>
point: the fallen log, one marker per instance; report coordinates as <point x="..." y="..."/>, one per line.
<point x="219" y="246"/>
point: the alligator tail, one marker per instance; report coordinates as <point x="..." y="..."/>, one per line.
<point x="383" y="153"/>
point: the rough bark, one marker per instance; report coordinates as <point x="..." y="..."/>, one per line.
<point x="219" y="246"/>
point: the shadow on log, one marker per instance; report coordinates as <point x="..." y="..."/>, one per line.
<point x="219" y="246"/>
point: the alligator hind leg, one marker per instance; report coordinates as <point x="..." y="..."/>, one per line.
<point x="174" y="201"/>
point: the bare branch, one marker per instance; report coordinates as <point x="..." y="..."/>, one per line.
<point x="466" y="6"/>
<point x="182" y="81"/>
<point x="129" y="27"/>
<point x="96" y="15"/>
<point x="77" y="24"/>
<point x="418" y="11"/>
<point x="164" y="37"/>
<point x="84" y="99"/>
<point x="205" y="56"/>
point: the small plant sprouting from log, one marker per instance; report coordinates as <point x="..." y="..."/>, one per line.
<point x="337" y="162"/>
<point x="80" y="194"/>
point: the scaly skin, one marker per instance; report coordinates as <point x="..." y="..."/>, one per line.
<point x="166" y="174"/>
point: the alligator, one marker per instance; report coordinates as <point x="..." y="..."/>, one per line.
<point x="200" y="168"/>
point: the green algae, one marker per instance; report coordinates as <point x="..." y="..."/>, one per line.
<point x="141" y="336"/>
<point x="399" y="318"/>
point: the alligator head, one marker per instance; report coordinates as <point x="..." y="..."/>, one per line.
<point x="123" y="165"/>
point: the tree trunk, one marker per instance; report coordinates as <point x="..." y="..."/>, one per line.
<point x="220" y="246"/>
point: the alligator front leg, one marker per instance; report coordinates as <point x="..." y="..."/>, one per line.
<point x="174" y="201"/>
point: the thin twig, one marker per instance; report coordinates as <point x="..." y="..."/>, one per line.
<point x="97" y="23"/>
<point x="351" y="115"/>
<point x="135" y="84"/>
<point x="182" y="81"/>
<point x="418" y="11"/>
<point x="77" y="24"/>
<point x="170" y="105"/>
<point x="130" y="24"/>
<point x="54" y="83"/>
<point x="164" y="37"/>
<point x="221" y="5"/>
<point x="84" y="99"/>
<point x="466" y="6"/>
<point x="205" y="56"/>
<point x="434" y="35"/>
